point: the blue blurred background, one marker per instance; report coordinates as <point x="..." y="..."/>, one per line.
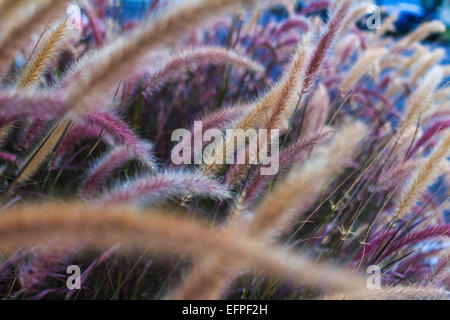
<point x="127" y="10"/>
<point x="411" y="13"/>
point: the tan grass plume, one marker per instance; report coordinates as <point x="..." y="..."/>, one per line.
<point x="393" y="293"/>
<point x="363" y="66"/>
<point x="46" y="51"/>
<point x="161" y="232"/>
<point x="275" y="107"/>
<point x="425" y="64"/>
<point x="423" y="178"/>
<point x="33" y="163"/>
<point x="33" y="15"/>
<point x="423" y="31"/>
<point x="421" y="99"/>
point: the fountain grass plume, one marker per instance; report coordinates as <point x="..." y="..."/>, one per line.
<point x="187" y="59"/>
<point x="422" y="178"/>
<point x="161" y="232"/>
<point x="46" y="51"/>
<point x="165" y="185"/>
<point x="33" y="15"/>
<point x="103" y="168"/>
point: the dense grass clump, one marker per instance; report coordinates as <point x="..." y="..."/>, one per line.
<point x="88" y="177"/>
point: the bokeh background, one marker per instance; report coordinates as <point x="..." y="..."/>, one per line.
<point x="411" y="13"/>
